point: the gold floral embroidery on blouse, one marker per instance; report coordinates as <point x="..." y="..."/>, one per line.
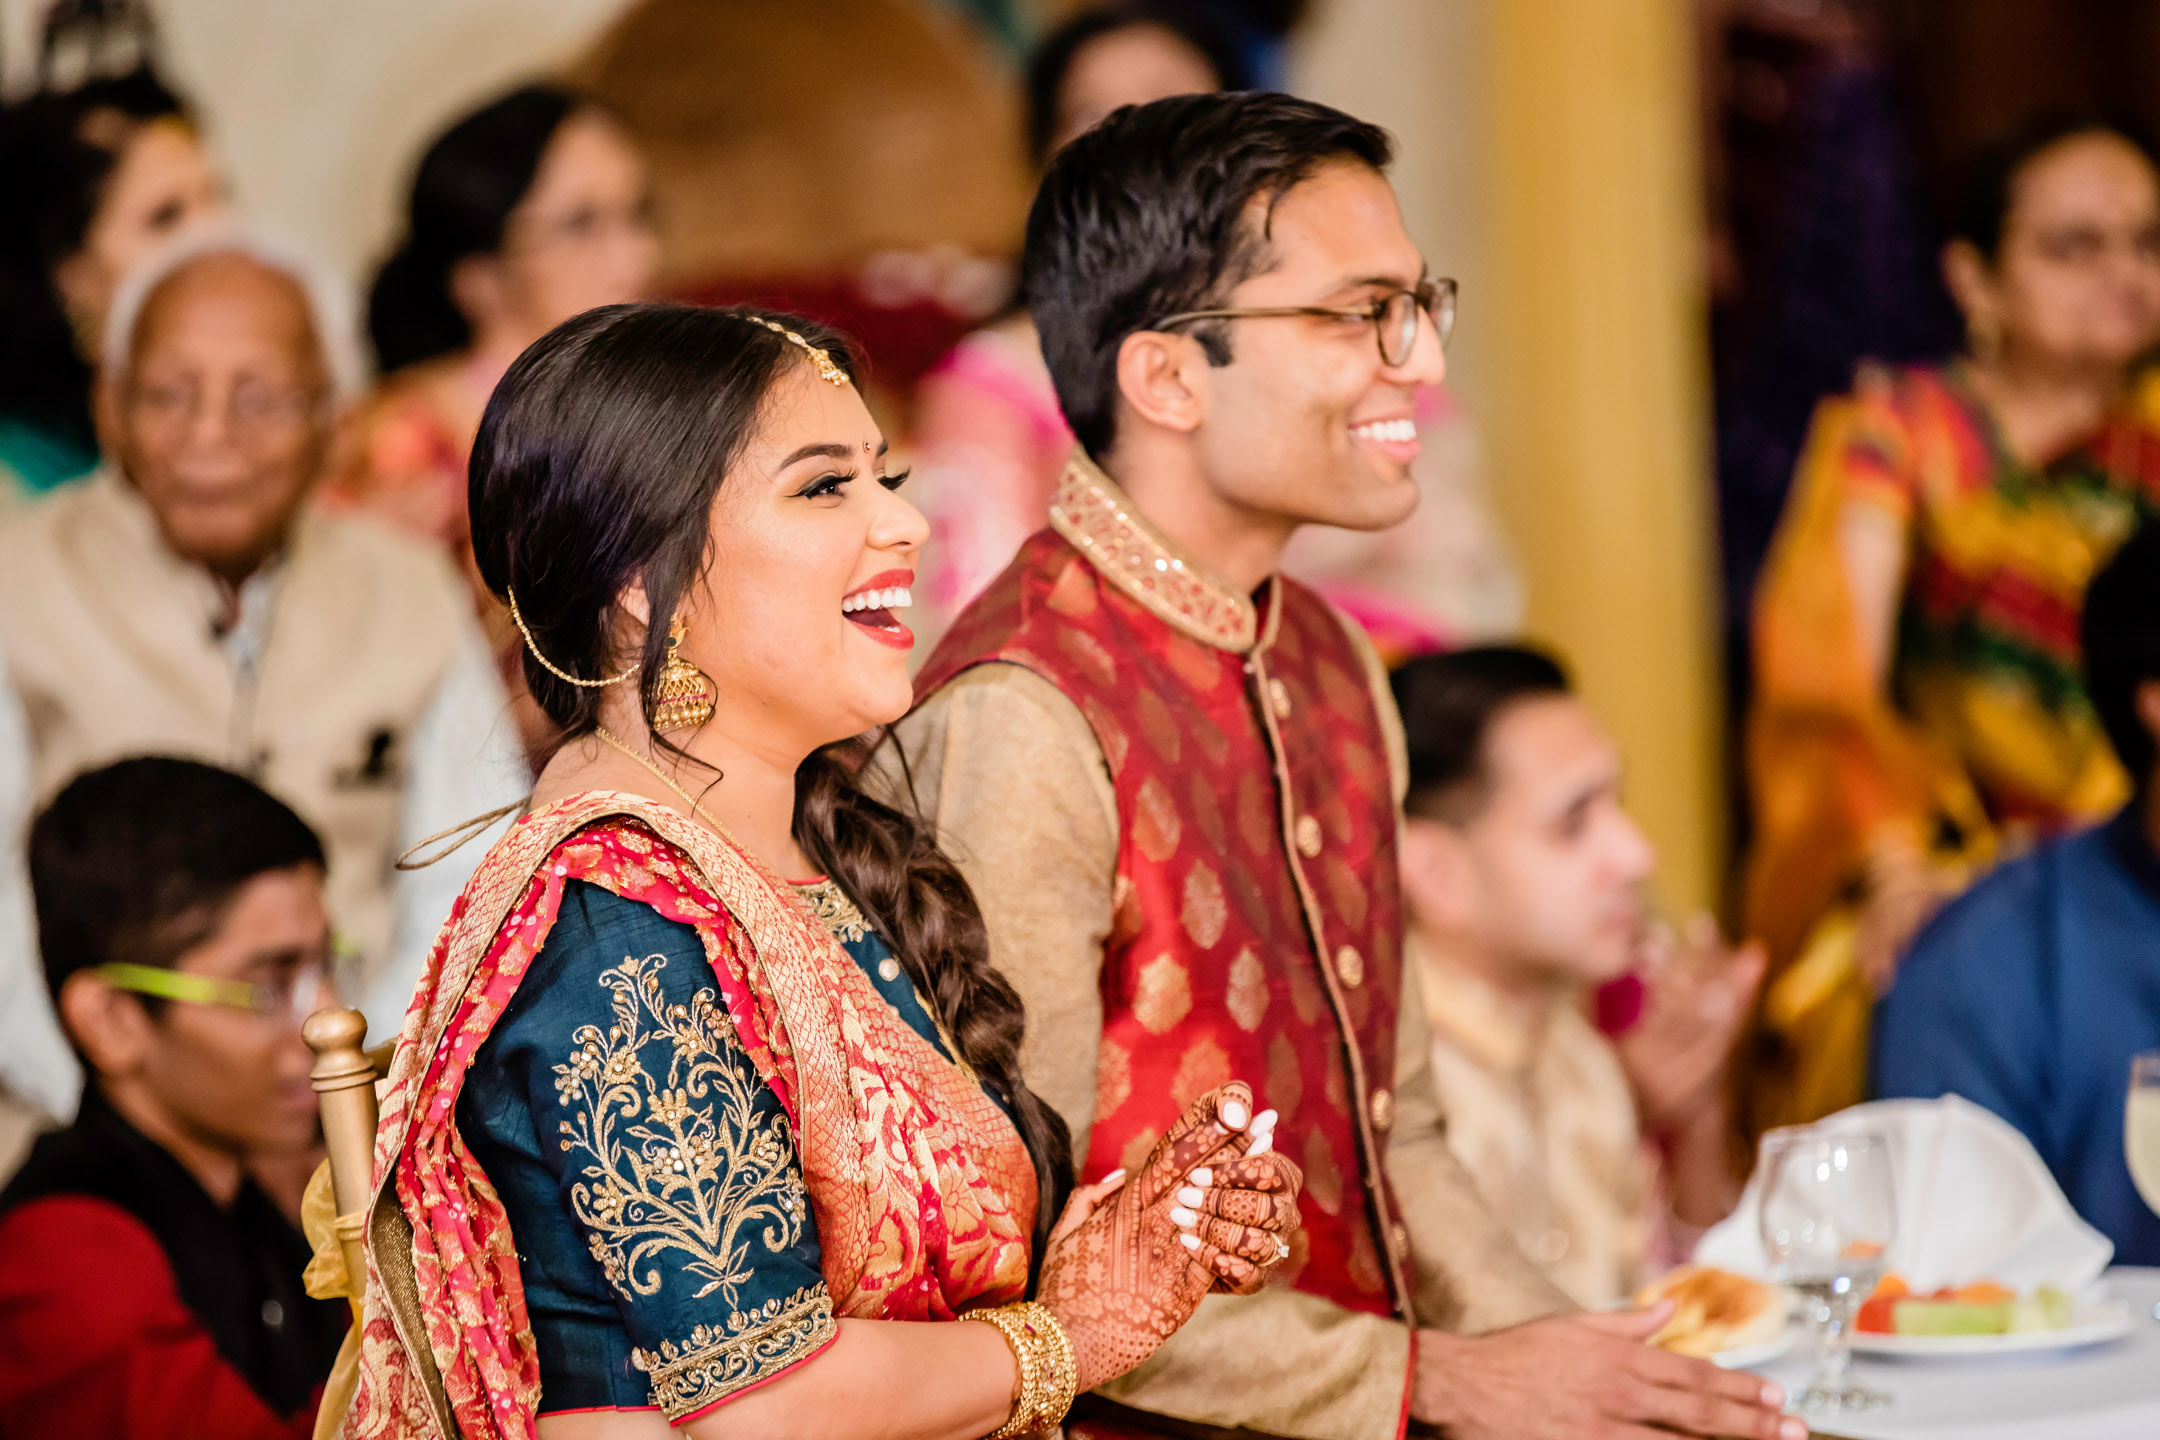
<point x="681" y="1167"/>
<point x="834" y="910"/>
<point x="716" y="1361"/>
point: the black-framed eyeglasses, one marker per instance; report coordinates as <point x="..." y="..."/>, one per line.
<point x="1394" y="316"/>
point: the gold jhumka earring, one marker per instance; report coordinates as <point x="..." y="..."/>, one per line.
<point x="686" y="693"/>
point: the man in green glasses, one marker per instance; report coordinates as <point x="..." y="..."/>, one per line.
<point x="145" y="1280"/>
<point x="1171" y="777"/>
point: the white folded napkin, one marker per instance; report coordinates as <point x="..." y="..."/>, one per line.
<point x="1974" y="1202"/>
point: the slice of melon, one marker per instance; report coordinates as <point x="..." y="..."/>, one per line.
<point x="1950" y="1317"/>
<point x="2047" y="1308"/>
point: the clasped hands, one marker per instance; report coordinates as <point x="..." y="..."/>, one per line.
<point x="1213" y="1208"/>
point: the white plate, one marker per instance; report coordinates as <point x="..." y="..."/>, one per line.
<point x="2092" y="1322"/>
<point x="1747" y="1357"/>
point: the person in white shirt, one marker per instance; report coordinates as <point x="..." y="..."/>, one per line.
<point x="188" y="601"/>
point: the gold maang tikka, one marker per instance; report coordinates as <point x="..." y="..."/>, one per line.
<point x="685" y="699"/>
<point x="820" y="359"/>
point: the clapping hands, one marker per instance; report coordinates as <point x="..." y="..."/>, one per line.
<point x="1212" y="1208"/>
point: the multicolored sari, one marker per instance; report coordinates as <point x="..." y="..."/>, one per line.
<point x="924" y="1195"/>
<point x="1984" y="741"/>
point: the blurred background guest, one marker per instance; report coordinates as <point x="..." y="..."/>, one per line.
<point x="1525" y="881"/>
<point x="187" y="601"/>
<point x="96" y="178"/>
<point x="524" y="213"/>
<point x="2030" y="993"/>
<point x="989" y="436"/>
<point x="147" y="1286"/>
<point x="1917" y="707"/>
<point x="1822" y="250"/>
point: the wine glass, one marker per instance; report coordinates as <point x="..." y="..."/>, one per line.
<point x="2141" y="1130"/>
<point x="2141" y="1126"/>
<point x="1828" y="1216"/>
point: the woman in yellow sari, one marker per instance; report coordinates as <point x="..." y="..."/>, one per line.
<point x="667" y="1135"/>
<point x="1918" y="710"/>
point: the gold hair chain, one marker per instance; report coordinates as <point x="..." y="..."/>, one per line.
<point x="550" y="666"/>
<point x="821" y="360"/>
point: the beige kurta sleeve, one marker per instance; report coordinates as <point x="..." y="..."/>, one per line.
<point x="1469" y="1276"/>
<point x="1009" y="771"/>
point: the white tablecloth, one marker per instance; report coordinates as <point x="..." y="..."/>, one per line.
<point x="2107" y="1392"/>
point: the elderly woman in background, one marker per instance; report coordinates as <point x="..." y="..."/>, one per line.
<point x="95" y="178"/>
<point x="1918" y="710"/>
<point x="526" y="212"/>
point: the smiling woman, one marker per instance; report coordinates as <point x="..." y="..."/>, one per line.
<point x="694" y="1135"/>
<point x="97" y="178"/>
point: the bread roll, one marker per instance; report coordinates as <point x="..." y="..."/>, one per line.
<point x="1716" y="1311"/>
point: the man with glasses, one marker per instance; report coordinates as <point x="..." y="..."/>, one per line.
<point x="188" y="601"/>
<point x="1171" y="777"/>
<point x="147" y="1285"/>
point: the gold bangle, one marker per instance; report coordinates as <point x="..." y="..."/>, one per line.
<point x="1025" y="1357"/>
<point x="1049" y="1374"/>
<point x="1063" y="1384"/>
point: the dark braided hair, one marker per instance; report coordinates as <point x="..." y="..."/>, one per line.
<point x="598" y="462"/>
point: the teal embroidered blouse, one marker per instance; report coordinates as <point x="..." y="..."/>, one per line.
<point x="665" y="1238"/>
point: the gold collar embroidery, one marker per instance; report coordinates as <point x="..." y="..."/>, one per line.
<point x="833" y="909"/>
<point x="1099" y="521"/>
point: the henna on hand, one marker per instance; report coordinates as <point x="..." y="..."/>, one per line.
<point x="1124" y="1279"/>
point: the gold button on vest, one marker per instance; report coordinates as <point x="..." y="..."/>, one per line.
<point x="1308" y="836"/>
<point x="1383" y="1107"/>
<point x="1350" y="966"/>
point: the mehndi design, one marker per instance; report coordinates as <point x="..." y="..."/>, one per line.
<point x="1122" y="1281"/>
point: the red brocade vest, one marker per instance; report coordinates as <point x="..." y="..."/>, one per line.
<point x="1258" y="924"/>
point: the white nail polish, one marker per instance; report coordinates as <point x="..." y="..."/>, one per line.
<point x="1203" y="1176"/>
<point x="1182" y="1217"/>
<point x="1262" y="1145"/>
<point x="1265" y="1120"/>
<point x="1233" y="1114"/>
<point x="1192" y="1196"/>
<point x="1190" y="1242"/>
<point x="1115" y="1177"/>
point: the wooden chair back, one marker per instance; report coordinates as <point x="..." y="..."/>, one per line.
<point x="344" y="1078"/>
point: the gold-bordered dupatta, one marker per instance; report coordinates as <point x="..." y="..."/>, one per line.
<point x="923" y="1192"/>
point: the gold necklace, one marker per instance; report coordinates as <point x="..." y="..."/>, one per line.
<point x="697" y="810"/>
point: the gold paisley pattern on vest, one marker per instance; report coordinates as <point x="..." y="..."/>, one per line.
<point x="1205" y="913"/>
<point x="1247" y="997"/>
<point x="681" y="1168"/>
